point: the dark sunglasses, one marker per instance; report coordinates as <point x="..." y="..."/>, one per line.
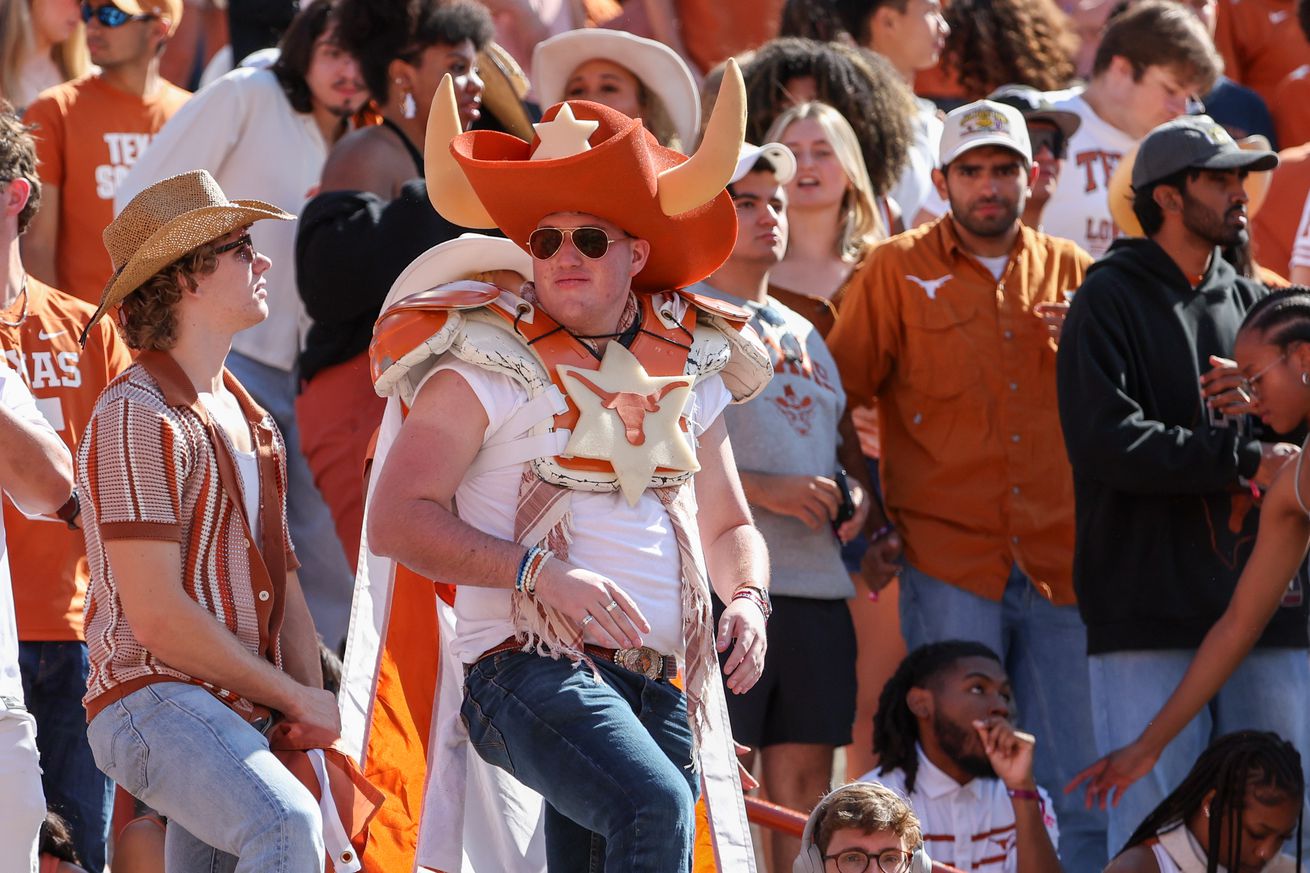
<point x="1052" y="139"/>
<point x="591" y="242"/>
<point x="110" y="16"/>
<point x="244" y="246"/>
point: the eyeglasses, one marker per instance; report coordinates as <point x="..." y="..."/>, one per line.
<point x="591" y="242"/>
<point x="244" y="247"/>
<point x="1051" y="139"/>
<point x="1250" y="386"/>
<point x="109" y="15"/>
<point x="858" y="861"/>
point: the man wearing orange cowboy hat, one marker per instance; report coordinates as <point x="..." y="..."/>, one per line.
<point x="587" y="400"/>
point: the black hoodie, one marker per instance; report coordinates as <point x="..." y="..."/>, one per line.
<point x="1164" y="524"/>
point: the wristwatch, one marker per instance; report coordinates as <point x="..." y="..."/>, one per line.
<point x="69" y="512"/>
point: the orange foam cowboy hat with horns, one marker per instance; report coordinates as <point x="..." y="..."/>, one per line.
<point x="591" y="159"/>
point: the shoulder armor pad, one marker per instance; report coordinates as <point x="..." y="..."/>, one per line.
<point x="465" y="294"/>
<point x="727" y="311"/>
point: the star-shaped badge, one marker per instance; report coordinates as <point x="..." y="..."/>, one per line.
<point x="564" y="137"/>
<point x="629" y="418"/>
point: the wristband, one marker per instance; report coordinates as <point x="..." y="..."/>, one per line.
<point x="525" y="581"/>
<point x="758" y="596"/>
<point x="69" y="512"/>
<point x="1026" y="794"/>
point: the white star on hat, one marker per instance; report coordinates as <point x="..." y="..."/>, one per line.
<point x="564" y="137"/>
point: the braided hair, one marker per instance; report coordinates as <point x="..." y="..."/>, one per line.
<point x="1282" y="317"/>
<point x="895" y="728"/>
<point x="1231" y="766"/>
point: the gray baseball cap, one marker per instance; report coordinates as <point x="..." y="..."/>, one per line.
<point x="1193" y="142"/>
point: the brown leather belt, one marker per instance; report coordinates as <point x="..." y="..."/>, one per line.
<point x="642" y="660"/>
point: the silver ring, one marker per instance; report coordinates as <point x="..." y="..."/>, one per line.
<point x="589" y="618"/>
<point x="614" y="604"/>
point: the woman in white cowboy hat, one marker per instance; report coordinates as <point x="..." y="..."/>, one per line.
<point x="199" y="627"/>
<point x="639" y="77"/>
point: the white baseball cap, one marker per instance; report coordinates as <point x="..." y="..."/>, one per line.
<point x="784" y="162"/>
<point x="984" y="123"/>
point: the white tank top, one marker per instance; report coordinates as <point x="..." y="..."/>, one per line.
<point x="1162" y="858"/>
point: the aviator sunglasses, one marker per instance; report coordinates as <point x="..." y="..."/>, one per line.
<point x="109" y="15"/>
<point x="1052" y="139"/>
<point x="591" y="242"/>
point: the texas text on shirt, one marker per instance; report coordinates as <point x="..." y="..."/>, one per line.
<point x="970" y="826"/>
<point x="39" y="340"/>
<point x="1080" y="209"/>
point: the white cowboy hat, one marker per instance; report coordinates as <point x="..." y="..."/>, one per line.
<point x="654" y="64"/>
<point x="457" y="259"/>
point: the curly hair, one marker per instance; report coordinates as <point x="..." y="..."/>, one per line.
<point x="380" y="31"/>
<point x="147" y="317"/>
<point x="1004" y="42"/>
<point x="859" y="84"/>
<point x="18" y="159"/>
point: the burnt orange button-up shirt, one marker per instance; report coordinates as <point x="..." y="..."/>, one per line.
<point x="973" y="461"/>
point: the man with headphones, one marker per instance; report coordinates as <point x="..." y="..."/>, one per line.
<point x="862" y="827"/>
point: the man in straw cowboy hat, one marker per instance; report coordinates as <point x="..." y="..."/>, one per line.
<point x="586" y="400"/>
<point x="198" y="627"/>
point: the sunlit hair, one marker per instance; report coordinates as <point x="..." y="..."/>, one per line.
<point x="861" y="85"/>
<point x="18" y="160"/>
<point x="1002" y="42"/>
<point x="868" y="807"/>
<point x="862" y="224"/>
<point x="147" y="318"/>
<point x="1235" y="767"/>
<point x="18" y="43"/>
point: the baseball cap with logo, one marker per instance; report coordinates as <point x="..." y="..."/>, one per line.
<point x="777" y="154"/>
<point x="1193" y="142"/>
<point x="984" y="123"/>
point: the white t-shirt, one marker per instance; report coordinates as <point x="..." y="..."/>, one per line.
<point x="230" y="418"/>
<point x="631" y="545"/>
<point x="17" y="399"/>
<point x="970" y="826"/>
<point x="1301" y="245"/>
<point x="915" y="185"/>
<point x="1080" y="207"/>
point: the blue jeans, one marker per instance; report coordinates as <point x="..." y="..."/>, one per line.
<point x="1044" y="649"/>
<point x="1267" y="691"/>
<point x="231" y="805"/>
<point x="54" y="682"/>
<point x="325" y="574"/>
<point x="612" y="760"/>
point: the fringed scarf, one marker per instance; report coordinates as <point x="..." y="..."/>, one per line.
<point x="543" y="518"/>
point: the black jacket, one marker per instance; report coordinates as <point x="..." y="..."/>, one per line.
<point x="1164" y="524"/>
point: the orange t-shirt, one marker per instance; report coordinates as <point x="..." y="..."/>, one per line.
<point x="89" y="134"/>
<point x="1261" y="43"/>
<point x="1291" y="108"/>
<point x="715" y="30"/>
<point x="46" y="559"/>
<point x="1273" y="228"/>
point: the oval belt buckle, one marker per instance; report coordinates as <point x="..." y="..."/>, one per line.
<point x="643" y="660"/>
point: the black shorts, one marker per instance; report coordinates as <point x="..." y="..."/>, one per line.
<point x="807" y="691"/>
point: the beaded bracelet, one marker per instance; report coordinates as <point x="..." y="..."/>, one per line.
<point x="525" y="581"/>
<point x="1025" y="794"/>
<point x="751" y="594"/>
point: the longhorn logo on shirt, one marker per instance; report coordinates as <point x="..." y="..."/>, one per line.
<point x="930" y="286"/>
<point x="631" y="406"/>
<point x="797" y="410"/>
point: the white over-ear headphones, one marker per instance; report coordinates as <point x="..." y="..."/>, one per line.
<point x="810" y="859"/>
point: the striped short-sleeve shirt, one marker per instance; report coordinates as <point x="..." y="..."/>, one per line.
<point x="153" y="466"/>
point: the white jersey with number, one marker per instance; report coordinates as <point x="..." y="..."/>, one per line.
<point x="1080" y="208"/>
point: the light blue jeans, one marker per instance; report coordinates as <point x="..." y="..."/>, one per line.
<point x="1044" y="649"/>
<point x="1268" y="691"/>
<point x="324" y="572"/>
<point x="231" y="805"/>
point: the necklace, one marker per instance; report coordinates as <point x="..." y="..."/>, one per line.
<point x="23" y="313"/>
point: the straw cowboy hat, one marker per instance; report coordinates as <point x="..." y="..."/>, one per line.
<point x="656" y="66"/>
<point x="590" y="159"/>
<point x="166" y="221"/>
<point x="1120" y="193"/>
